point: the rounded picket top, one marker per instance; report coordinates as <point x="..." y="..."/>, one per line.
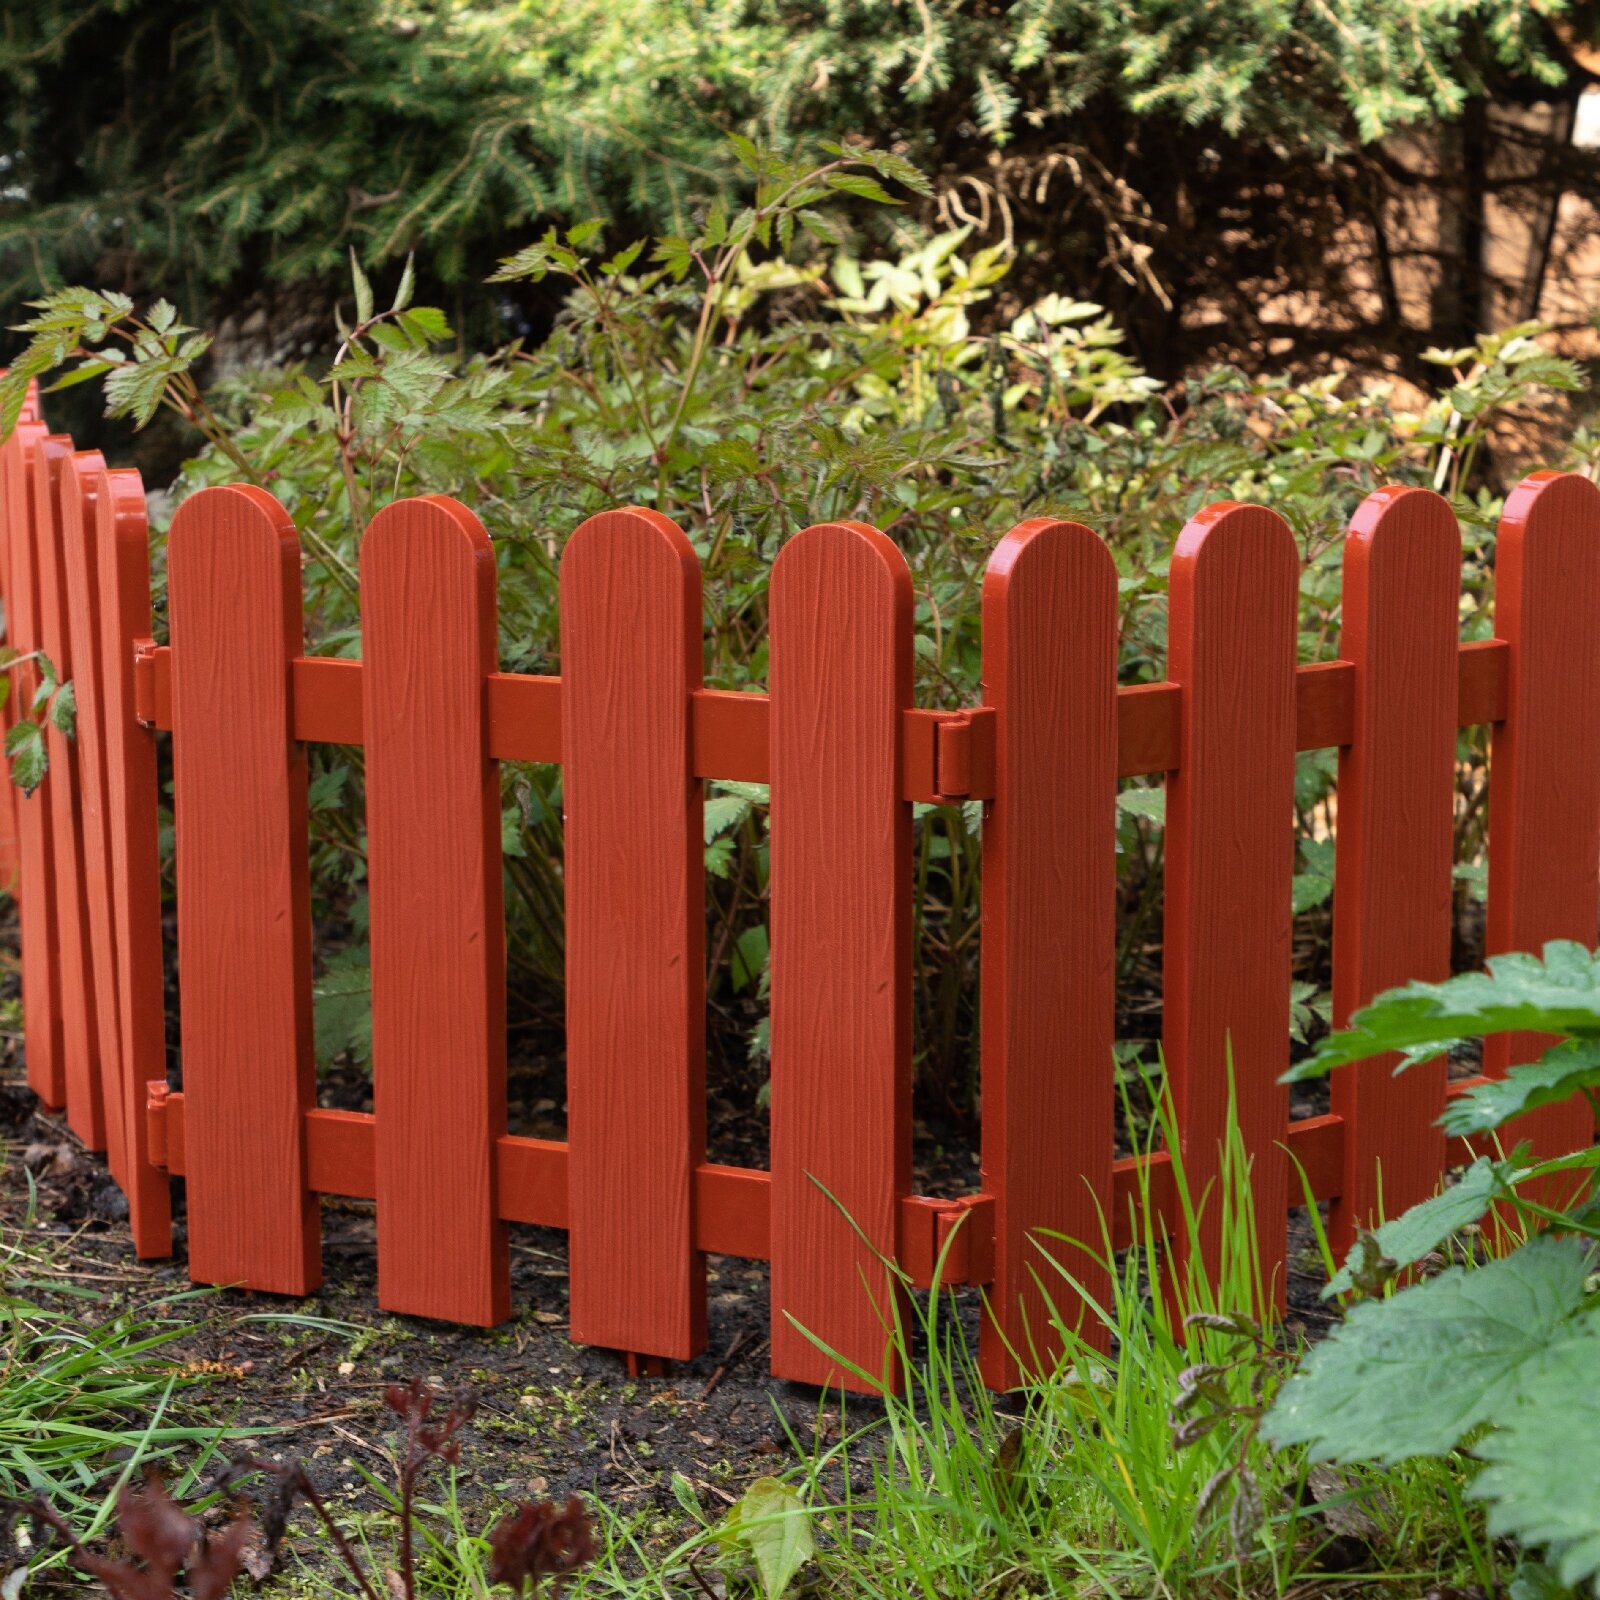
<point x="629" y="535"/>
<point x="1227" y="541"/>
<point x="429" y="528"/>
<point x="239" y="513"/>
<point x="1052" y="546"/>
<point x="1404" y="536"/>
<point x="1558" y="507"/>
<point x="123" y="516"/>
<point x="821" y="563"/>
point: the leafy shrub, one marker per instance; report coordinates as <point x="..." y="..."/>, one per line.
<point x="748" y="378"/>
<point x="1498" y="1359"/>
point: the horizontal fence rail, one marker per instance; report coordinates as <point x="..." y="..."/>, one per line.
<point x="846" y="755"/>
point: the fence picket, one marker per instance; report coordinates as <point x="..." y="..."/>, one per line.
<point x="11" y="535"/>
<point x="438" y="925"/>
<point x="1230" y="857"/>
<point x="840" y="629"/>
<point x="1392" y="869"/>
<point x="244" y="925"/>
<point x="1544" y="758"/>
<point x="635" y="898"/>
<point x="80" y="1036"/>
<point x="41" y="971"/>
<point x="1049" y="933"/>
<point x="131" y="803"/>
<point x="82" y="484"/>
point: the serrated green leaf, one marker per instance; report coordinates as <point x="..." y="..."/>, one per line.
<point x="1410" y="1236"/>
<point x="1564" y="1070"/>
<point x="1411" y="1375"/>
<point x="1558" y="993"/>
<point x="1149" y="804"/>
<point x="724" y="812"/>
<point x="408" y="284"/>
<point x="860" y="185"/>
<point x="749" y="956"/>
<point x="426" y="325"/>
<point x="363" y="290"/>
<point x="341" y="1007"/>
<point x="1542" y="1481"/>
<point x="1310" y="889"/>
<point x="30" y="760"/>
<point x="64" y="711"/>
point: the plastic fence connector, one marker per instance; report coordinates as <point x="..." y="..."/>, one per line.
<point x="631" y="646"/>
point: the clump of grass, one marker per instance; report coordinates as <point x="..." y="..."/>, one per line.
<point x="84" y="1381"/>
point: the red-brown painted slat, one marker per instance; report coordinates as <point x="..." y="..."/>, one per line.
<point x="631" y="646"/>
<point x="10" y="537"/>
<point x="41" y="970"/>
<point x="1049" y="934"/>
<point x="437" y="918"/>
<point x="132" y="801"/>
<point x="1392" y="874"/>
<point x="1230" y="855"/>
<point x="244" y="924"/>
<point x="80" y="1039"/>
<point x="840" y="633"/>
<point x="82" y="483"/>
<point x="1544" y="759"/>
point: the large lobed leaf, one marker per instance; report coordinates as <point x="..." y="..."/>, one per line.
<point x="1413" y="1374"/>
<point x="1519" y="993"/>
<point x="1542" y="1480"/>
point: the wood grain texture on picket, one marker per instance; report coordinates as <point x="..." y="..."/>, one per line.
<point x="1230" y="859"/>
<point x="82" y="484"/>
<point x="1392" y="906"/>
<point x="132" y="803"/>
<point x="36" y="911"/>
<point x="244" y="924"/>
<point x="1544" y="758"/>
<point x="635" y="954"/>
<point x="437" y="916"/>
<point x="840" y="631"/>
<point x="80" y="1040"/>
<point x="1049" y="934"/>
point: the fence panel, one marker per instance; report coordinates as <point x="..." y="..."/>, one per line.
<point x="437" y="919"/>
<point x="1230" y="858"/>
<point x="244" y="924"/>
<point x="36" y="912"/>
<point x="82" y="483"/>
<point x="80" y="1037"/>
<point x="840" y="629"/>
<point x="1049" y="932"/>
<point x="1544" y="759"/>
<point x="1396" y="798"/>
<point x="631" y="650"/>
<point x="131" y="802"/>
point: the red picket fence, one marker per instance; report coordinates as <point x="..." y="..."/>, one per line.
<point x="846" y="753"/>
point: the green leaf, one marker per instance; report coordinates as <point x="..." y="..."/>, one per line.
<point x="749" y="957"/>
<point x="863" y="187"/>
<point x="408" y="284"/>
<point x="724" y="812"/>
<point x="341" y="1007"/>
<point x="1564" y="1070"/>
<point x="363" y="290"/>
<point x="583" y="232"/>
<point x="426" y="325"/>
<point x="30" y="760"/>
<point x="1310" y="889"/>
<point x="771" y="1522"/>
<point x="623" y="259"/>
<point x="1411" y="1375"/>
<point x="1150" y="804"/>
<point x="1542" y="1481"/>
<point x="64" y="711"/>
<point x="1410" y="1236"/>
<point x="1559" y="993"/>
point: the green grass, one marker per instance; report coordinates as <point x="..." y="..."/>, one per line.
<point x="88" y="1396"/>
<point x="1081" y="1492"/>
